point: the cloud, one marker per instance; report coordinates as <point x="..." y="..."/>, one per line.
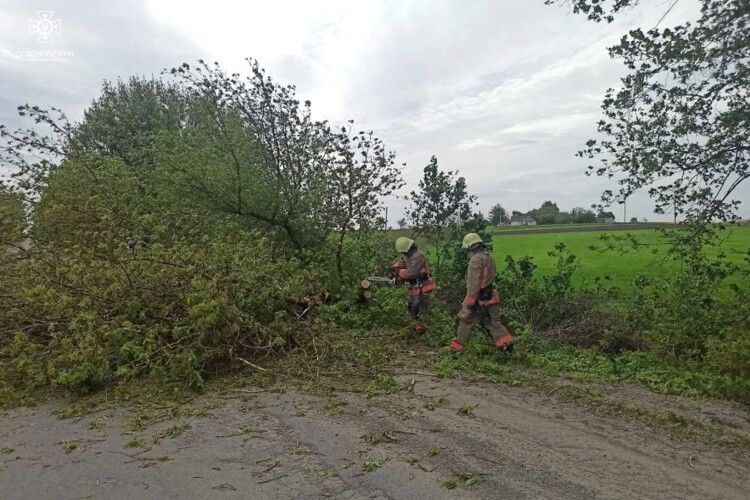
<point x="503" y="92"/>
<point x="526" y="134"/>
<point x="97" y="42"/>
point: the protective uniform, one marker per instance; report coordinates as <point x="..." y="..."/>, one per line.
<point x="414" y="269"/>
<point x="482" y="302"/>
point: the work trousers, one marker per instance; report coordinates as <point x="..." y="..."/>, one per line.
<point x="486" y="316"/>
<point x="418" y="306"/>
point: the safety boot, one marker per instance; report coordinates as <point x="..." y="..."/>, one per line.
<point x="505" y="343"/>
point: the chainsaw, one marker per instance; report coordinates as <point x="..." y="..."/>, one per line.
<point x="387" y="280"/>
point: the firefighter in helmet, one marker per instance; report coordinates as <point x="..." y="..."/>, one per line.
<point x="413" y="268"/>
<point x="482" y="302"/>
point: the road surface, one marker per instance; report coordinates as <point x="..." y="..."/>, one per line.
<point x="435" y="439"/>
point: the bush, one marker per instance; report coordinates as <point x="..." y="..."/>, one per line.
<point x="118" y="287"/>
<point x="11" y="218"/>
<point x="545" y="302"/>
<point x="685" y="315"/>
<point x="80" y="320"/>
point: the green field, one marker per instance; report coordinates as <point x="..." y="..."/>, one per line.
<point x="620" y="268"/>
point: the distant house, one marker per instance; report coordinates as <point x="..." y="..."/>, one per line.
<point x="519" y="219"/>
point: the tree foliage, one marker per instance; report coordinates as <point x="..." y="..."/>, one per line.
<point x="127" y="118"/>
<point x="442" y="210"/>
<point x="582" y="215"/>
<point x="245" y="146"/>
<point x="547" y="213"/>
<point x="678" y="124"/>
<point x="498" y="215"/>
<point x="11" y="218"/>
<point x="597" y="10"/>
<point x="185" y="225"/>
<point x="362" y="172"/>
<point x="441" y="200"/>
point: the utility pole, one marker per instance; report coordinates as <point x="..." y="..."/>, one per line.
<point x="625" y="210"/>
<point x="386" y="217"/>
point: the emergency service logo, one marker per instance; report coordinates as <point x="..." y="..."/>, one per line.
<point x="46" y="27"/>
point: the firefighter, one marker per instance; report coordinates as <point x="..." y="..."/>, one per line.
<point x="413" y="268"/>
<point x="482" y="302"/>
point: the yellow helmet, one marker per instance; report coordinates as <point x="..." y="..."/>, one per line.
<point x="470" y="240"/>
<point x="403" y="244"/>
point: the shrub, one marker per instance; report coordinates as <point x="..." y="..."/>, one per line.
<point x="11" y="218"/>
<point x="548" y="301"/>
<point x="117" y="287"/>
<point x="80" y="319"/>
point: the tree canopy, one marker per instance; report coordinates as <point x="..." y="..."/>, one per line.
<point x="678" y="124"/>
<point x="498" y="215"/>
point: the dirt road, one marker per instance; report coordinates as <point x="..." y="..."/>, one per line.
<point x="436" y="439"/>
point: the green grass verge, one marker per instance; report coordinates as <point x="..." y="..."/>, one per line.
<point x="547" y="357"/>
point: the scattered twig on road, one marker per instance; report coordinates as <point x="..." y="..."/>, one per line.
<point x="402" y="432"/>
<point x="253" y="365"/>
<point x="272" y="466"/>
<point x="426" y="469"/>
<point x="426" y="374"/>
<point x="550" y="393"/>
<point x="483" y="458"/>
<point x="272" y="479"/>
<point x="231" y="435"/>
<point x="135" y="455"/>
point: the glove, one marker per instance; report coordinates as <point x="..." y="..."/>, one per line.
<point x="470" y="300"/>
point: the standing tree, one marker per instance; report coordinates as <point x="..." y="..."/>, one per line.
<point x="548" y="213"/>
<point x="362" y="173"/>
<point x="678" y="124"/>
<point x="583" y="215"/>
<point x="498" y="215"/>
<point x="441" y="208"/>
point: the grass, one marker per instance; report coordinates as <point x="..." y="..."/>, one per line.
<point x="547" y="357"/>
<point x="460" y="479"/>
<point x="135" y="443"/>
<point x="466" y="410"/>
<point x="68" y="446"/>
<point x="619" y="268"/>
<point x="371" y="464"/>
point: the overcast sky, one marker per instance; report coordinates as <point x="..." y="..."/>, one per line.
<point x="504" y="92"/>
